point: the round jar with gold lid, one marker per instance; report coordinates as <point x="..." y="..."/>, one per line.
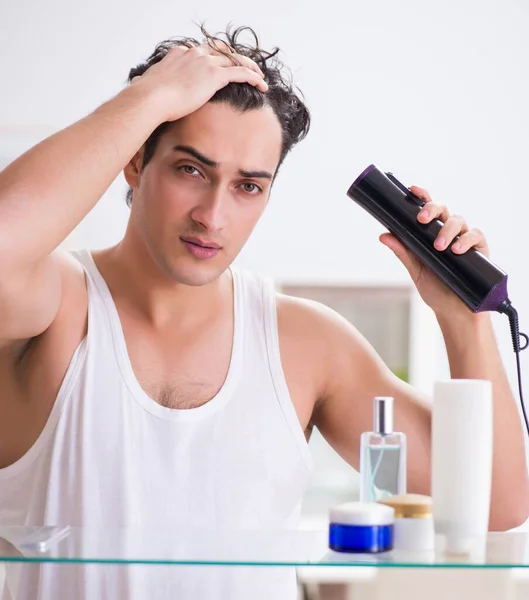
<point x="413" y="526"/>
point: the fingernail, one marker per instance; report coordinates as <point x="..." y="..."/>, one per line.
<point x="423" y="214"/>
<point x="440" y="243"/>
<point x="456" y="246"/>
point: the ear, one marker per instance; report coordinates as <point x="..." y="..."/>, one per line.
<point x="132" y="170"/>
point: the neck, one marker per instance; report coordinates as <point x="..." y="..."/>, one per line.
<point x="140" y="286"/>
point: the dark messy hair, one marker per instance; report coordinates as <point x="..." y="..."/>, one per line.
<point x="284" y="98"/>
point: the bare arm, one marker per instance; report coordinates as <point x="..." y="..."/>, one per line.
<point x="473" y="354"/>
<point x="352" y="375"/>
<point x="46" y="192"/>
<point x="355" y="374"/>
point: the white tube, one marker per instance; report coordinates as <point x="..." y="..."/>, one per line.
<point x="462" y="461"/>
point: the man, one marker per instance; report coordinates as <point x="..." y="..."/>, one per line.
<point x="150" y="384"/>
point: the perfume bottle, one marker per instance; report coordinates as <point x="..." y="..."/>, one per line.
<point x="382" y="455"/>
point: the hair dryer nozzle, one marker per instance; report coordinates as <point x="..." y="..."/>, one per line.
<point x="365" y="172"/>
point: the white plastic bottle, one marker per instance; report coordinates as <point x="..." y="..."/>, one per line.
<point x="462" y="462"/>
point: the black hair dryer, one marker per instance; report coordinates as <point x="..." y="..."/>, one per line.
<point x="472" y="276"/>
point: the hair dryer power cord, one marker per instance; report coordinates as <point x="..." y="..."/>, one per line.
<point x="511" y="312"/>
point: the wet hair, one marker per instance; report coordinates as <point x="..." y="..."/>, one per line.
<point x="282" y="96"/>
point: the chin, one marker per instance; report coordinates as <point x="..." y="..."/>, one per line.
<point x="195" y="274"/>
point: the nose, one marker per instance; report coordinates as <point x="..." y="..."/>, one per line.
<point x="212" y="210"/>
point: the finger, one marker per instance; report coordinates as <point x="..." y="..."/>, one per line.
<point x="177" y="51"/>
<point x="421" y="193"/>
<point x="249" y="63"/>
<point x="223" y="49"/>
<point x="410" y="261"/>
<point x="243" y="75"/>
<point x="219" y="46"/>
<point x="454" y="226"/>
<point x="432" y="211"/>
<point x="201" y="49"/>
<point x="237" y="60"/>
<point x="473" y="238"/>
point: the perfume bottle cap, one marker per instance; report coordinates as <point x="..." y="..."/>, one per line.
<point x="383" y="414"/>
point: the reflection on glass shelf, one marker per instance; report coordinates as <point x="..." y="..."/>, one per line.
<point x="242" y="547"/>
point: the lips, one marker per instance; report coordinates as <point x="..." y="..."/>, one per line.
<point x="202" y="243"/>
<point x="200" y="249"/>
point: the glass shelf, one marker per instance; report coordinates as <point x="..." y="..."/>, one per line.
<point x="242" y="547"/>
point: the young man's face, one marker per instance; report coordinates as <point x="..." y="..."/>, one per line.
<point x="201" y="195"/>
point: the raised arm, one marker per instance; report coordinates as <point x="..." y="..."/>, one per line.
<point x="353" y="374"/>
<point x="46" y="192"/>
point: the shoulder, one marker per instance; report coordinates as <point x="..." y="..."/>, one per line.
<point x="307" y="325"/>
<point x="55" y="285"/>
<point x="73" y="278"/>
<point x="315" y="339"/>
<point x="70" y="320"/>
<point x="301" y="317"/>
<point x="324" y="341"/>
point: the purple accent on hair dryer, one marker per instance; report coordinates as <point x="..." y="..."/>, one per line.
<point x="365" y="172"/>
<point x="496" y="298"/>
<point x="472" y="276"/>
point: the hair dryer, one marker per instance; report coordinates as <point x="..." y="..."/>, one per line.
<point x="472" y="276"/>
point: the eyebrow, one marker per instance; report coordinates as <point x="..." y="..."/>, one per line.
<point x="212" y="163"/>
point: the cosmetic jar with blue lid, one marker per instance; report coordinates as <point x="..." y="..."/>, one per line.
<point x="361" y="527"/>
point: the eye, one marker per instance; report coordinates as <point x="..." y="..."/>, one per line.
<point x="251" y="188"/>
<point x="190" y="170"/>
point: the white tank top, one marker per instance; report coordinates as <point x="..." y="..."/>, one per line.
<point x="111" y="457"/>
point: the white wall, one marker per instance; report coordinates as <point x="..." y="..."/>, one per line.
<point x="437" y="92"/>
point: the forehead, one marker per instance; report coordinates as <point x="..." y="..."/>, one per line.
<point x="248" y="140"/>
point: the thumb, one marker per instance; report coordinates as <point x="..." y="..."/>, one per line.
<point x="407" y="258"/>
